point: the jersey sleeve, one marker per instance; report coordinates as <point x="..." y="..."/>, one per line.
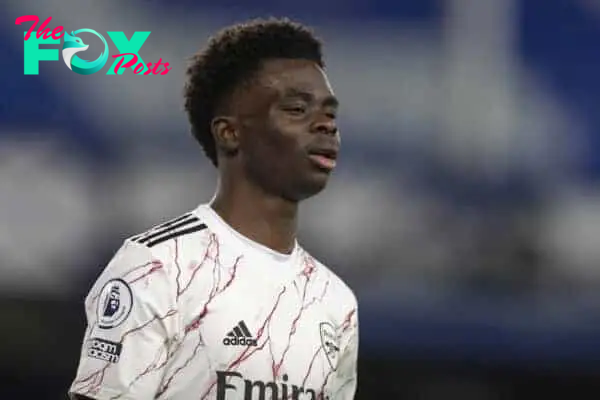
<point x="346" y="374"/>
<point x="131" y="321"/>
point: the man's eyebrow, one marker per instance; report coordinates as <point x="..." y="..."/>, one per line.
<point x="330" y="100"/>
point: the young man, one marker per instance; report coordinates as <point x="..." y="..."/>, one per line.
<point x="222" y="303"/>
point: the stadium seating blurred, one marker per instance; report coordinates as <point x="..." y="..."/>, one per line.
<point x="465" y="213"/>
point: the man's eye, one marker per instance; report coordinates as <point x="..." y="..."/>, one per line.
<point x="295" y="109"/>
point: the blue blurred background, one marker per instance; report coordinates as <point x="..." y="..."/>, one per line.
<point x="465" y="213"/>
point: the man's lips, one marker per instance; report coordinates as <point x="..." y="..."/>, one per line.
<point x="324" y="157"/>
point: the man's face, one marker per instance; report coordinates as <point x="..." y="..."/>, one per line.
<point x="289" y="139"/>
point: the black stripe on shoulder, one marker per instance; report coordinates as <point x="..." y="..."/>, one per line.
<point x="174" y="234"/>
<point x="159" y="232"/>
<point x="184" y="220"/>
<point x="174" y="221"/>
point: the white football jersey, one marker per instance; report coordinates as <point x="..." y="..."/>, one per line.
<point x="192" y="310"/>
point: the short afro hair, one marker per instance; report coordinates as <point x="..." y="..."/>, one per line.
<point x="232" y="56"/>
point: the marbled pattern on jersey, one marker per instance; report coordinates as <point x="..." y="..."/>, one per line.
<point x="197" y="296"/>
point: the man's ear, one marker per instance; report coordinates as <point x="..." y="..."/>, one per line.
<point x="226" y="133"/>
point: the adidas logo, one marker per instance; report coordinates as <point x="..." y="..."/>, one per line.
<point x="239" y="336"/>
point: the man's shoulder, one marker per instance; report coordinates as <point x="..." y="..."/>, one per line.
<point x="159" y="250"/>
<point x="169" y="235"/>
<point x="341" y="289"/>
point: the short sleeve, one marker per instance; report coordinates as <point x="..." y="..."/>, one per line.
<point x="131" y="321"/>
<point x="346" y="374"/>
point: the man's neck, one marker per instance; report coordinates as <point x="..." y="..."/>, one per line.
<point x="268" y="220"/>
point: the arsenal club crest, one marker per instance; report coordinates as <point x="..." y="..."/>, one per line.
<point x="330" y="342"/>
